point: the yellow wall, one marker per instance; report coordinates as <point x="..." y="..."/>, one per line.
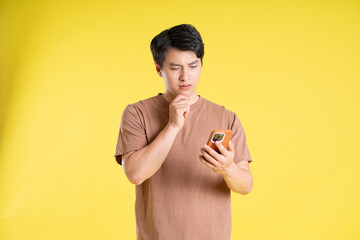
<point x="289" y="70"/>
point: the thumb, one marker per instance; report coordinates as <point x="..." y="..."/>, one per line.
<point x="231" y="146"/>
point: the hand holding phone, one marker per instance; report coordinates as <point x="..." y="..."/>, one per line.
<point x="220" y="135"/>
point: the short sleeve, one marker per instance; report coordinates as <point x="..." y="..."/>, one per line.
<point x="239" y="140"/>
<point x="132" y="134"/>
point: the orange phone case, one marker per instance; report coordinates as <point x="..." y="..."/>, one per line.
<point x="222" y="135"/>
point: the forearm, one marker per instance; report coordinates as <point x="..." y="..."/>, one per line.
<point x="145" y="162"/>
<point x="238" y="179"/>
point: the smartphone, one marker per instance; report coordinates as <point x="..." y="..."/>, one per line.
<point x="221" y="135"/>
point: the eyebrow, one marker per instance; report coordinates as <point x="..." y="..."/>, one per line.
<point x="175" y="64"/>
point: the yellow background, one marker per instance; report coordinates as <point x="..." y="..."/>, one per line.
<point x="288" y="69"/>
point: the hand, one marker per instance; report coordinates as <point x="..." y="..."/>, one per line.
<point x="221" y="163"/>
<point x="179" y="109"/>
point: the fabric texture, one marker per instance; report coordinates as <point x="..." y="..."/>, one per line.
<point x="184" y="199"/>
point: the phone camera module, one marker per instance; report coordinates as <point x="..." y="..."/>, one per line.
<point x="218" y="137"/>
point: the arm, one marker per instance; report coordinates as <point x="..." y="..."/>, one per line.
<point x="144" y="163"/>
<point x="238" y="177"/>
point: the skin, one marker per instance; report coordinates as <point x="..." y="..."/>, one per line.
<point x="238" y="176"/>
<point x="180" y="68"/>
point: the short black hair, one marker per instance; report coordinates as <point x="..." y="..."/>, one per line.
<point x="184" y="37"/>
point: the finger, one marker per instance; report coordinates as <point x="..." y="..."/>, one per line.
<point x="181" y="106"/>
<point x="180" y="102"/>
<point x="182" y="110"/>
<point x="180" y="97"/>
<point x="206" y="163"/>
<point x="186" y="113"/>
<point x="231" y="146"/>
<point x="210" y="158"/>
<point x="221" y="148"/>
<point x="212" y="152"/>
<point x="185" y="110"/>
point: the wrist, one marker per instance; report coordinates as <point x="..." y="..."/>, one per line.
<point x="231" y="169"/>
<point x="172" y="129"/>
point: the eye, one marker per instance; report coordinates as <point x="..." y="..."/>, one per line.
<point x="193" y="66"/>
<point x="174" y="68"/>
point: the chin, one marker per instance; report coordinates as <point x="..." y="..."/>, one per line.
<point x="186" y="93"/>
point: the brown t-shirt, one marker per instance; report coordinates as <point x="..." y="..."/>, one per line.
<point x="184" y="199"/>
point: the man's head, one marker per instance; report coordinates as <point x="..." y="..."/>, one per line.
<point x="178" y="54"/>
<point x="184" y="37"/>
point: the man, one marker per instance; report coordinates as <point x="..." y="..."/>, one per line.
<point x="182" y="186"/>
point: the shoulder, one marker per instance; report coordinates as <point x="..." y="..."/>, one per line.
<point x="138" y="109"/>
<point x="142" y="105"/>
<point x="212" y="106"/>
<point x="146" y="101"/>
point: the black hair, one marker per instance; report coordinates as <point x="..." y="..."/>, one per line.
<point x="184" y="37"/>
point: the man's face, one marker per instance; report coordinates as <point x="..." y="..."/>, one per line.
<point x="181" y="72"/>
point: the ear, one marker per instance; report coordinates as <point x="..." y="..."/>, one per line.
<point x="158" y="69"/>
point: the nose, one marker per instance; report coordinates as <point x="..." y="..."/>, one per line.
<point x="185" y="75"/>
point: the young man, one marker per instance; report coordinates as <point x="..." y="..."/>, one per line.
<point x="182" y="186"/>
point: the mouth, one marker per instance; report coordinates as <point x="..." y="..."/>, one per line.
<point x="185" y="86"/>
